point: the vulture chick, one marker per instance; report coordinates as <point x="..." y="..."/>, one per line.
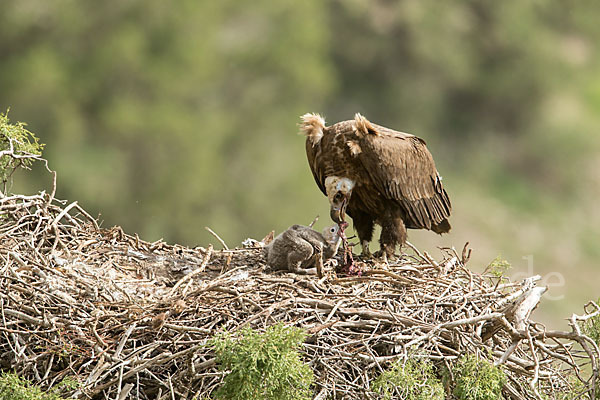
<point x="377" y="176"/>
<point x="302" y="250"/>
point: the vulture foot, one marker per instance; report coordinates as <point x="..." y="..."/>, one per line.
<point x="384" y="255"/>
<point x="366" y="252"/>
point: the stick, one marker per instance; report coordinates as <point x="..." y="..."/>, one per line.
<point x="199" y="270"/>
<point x="217" y="237"/>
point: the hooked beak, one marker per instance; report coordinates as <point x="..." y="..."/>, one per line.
<point x="338" y="211"/>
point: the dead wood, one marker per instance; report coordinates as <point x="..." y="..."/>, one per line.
<point x="126" y="317"/>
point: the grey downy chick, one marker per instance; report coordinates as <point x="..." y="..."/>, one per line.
<point x="302" y="250"/>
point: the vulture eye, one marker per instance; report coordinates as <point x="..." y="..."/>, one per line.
<point x="338" y="196"/>
<point x="332" y="230"/>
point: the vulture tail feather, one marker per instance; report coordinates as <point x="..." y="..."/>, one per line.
<point x="442" y="227"/>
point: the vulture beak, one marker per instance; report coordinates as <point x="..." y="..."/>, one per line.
<point x="338" y="192"/>
<point x="337" y="211"/>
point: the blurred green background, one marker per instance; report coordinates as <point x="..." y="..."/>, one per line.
<point x="166" y="117"/>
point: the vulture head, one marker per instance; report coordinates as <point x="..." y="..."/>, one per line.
<point x="338" y="191"/>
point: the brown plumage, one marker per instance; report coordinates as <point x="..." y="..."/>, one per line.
<point x="378" y="176"/>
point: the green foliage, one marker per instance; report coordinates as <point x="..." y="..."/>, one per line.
<point x="198" y="115"/>
<point x="263" y="365"/>
<point x="413" y="380"/>
<point x="498" y="267"/>
<point x="13" y="387"/>
<point x="68" y="384"/>
<point x="22" y="147"/>
<point x="592" y="327"/>
<point x="477" y="379"/>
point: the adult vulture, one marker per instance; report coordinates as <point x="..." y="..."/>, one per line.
<point x="377" y="176"/>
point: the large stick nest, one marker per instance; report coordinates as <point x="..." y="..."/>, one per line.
<point x="125" y="317"/>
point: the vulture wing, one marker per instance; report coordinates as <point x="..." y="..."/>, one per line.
<point x="316" y="166"/>
<point x="402" y="169"/>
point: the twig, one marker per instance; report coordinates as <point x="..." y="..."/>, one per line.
<point x="198" y="271"/>
<point x="217" y="237"/>
<point x="134" y="317"/>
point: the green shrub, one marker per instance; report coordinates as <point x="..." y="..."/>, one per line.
<point x="477" y="379"/>
<point x="13" y="387"/>
<point x="498" y="267"/>
<point x="591" y="327"/>
<point x="263" y="366"/>
<point x="24" y="145"/>
<point x="413" y="380"/>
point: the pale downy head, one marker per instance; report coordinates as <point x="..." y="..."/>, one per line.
<point x="338" y="191"/>
<point x="332" y="236"/>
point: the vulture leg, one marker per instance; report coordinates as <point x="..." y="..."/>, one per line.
<point x="363" y="223"/>
<point x="393" y="232"/>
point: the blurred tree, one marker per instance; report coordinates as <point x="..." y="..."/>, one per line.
<point x="475" y="78"/>
<point x="164" y="118"/>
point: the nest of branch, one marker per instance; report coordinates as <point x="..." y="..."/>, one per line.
<point x="126" y="317"/>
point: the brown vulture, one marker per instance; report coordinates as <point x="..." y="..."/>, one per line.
<point x="377" y="176"/>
